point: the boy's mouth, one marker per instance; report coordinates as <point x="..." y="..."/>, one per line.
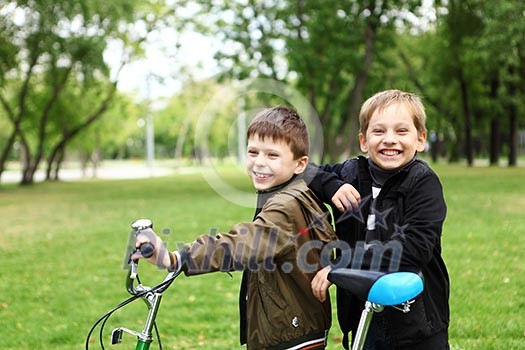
<point x="390" y="152"/>
<point x="261" y="176"/>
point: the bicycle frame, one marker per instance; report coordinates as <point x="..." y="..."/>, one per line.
<point x="152" y="297"/>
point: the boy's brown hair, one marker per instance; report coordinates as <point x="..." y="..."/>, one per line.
<point x="383" y="99"/>
<point x="282" y="123"/>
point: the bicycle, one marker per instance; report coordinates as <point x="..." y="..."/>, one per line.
<point x="152" y="296"/>
<point x="378" y="289"/>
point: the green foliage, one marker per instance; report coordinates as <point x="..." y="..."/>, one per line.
<point x="472" y="47"/>
<point x="176" y="123"/>
<point x="63" y="248"/>
<point x="115" y="135"/>
<point x="55" y="57"/>
<point x="465" y="58"/>
<point x="326" y="49"/>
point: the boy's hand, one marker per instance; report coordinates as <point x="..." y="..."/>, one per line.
<point x="346" y="198"/>
<point x="161" y="256"/>
<point x="320" y="284"/>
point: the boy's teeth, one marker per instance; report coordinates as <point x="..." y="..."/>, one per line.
<point x="262" y="175"/>
<point x="390" y="152"/>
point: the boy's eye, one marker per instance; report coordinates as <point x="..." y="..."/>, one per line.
<point x="252" y="152"/>
<point x="273" y="155"/>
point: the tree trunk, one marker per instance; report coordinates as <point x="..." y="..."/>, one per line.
<point x="348" y="131"/>
<point x="58" y="165"/>
<point x="50" y="164"/>
<point x="16" y="120"/>
<point x="28" y="167"/>
<point x="453" y="151"/>
<point x="495" y="141"/>
<point x="181" y="139"/>
<point x="33" y="161"/>
<point x="513" y="136"/>
<point x="495" y="125"/>
<point x="67" y="136"/>
<point x="7" y="150"/>
<point x="467" y="115"/>
<point x="513" y="122"/>
<point x="54" y="163"/>
<point x="95" y="160"/>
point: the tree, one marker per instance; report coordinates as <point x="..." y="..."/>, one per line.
<point x="503" y="43"/>
<point x="463" y="26"/>
<point x="49" y="46"/>
<point x="101" y="139"/>
<point x="327" y="49"/>
<point x="176" y="123"/>
<point x="474" y="58"/>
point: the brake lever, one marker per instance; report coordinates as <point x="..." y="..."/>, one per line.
<point x="146" y="249"/>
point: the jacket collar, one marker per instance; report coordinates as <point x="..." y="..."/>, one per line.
<point x="380" y="175"/>
<point x="264" y="195"/>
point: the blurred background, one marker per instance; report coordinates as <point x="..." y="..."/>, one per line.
<point x="97" y="89"/>
<point x="90" y="85"/>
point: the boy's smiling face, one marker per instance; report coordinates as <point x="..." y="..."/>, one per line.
<point x="392" y="139"/>
<point x="271" y="163"/>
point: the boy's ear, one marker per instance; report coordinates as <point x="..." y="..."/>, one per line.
<point x="302" y="162"/>
<point x="362" y="143"/>
<point x="421" y="141"/>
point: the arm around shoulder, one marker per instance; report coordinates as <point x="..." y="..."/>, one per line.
<point x="326" y="180"/>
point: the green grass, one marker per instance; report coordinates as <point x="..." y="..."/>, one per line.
<point x="62" y="246"/>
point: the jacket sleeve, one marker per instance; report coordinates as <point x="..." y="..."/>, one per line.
<point x="414" y="241"/>
<point x="324" y="180"/>
<point x="424" y="214"/>
<point x="247" y="245"/>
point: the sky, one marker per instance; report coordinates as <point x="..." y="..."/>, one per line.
<point x="165" y="60"/>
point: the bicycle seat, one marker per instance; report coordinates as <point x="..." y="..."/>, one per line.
<point x="381" y="288"/>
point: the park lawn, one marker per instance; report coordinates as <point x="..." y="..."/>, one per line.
<point x="62" y="248"/>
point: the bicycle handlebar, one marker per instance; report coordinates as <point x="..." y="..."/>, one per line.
<point x="146" y="249"/>
<point x="141" y="224"/>
<point x="140" y="289"/>
<point x="151" y="295"/>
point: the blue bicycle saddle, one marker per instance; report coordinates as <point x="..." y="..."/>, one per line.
<point x="378" y="287"/>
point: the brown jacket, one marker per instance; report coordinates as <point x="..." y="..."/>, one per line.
<point x="282" y="249"/>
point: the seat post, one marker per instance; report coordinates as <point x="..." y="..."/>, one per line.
<point x="364" y="324"/>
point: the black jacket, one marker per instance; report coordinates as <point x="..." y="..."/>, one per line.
<point x="411" y="211"/>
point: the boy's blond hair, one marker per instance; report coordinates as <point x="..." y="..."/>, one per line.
<point x="383" y="99"/>
<point x="282" y="123"/>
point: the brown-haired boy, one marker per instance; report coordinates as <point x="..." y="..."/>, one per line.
<point x="281" y="311"/>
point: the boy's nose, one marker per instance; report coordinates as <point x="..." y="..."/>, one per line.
<point x="259" y="160"/>
<point x="389" y="137"/>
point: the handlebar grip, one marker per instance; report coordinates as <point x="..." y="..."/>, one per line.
<point x="147" y="249"/>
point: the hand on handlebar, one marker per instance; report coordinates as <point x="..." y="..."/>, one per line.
<point x="157" y="254"/>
